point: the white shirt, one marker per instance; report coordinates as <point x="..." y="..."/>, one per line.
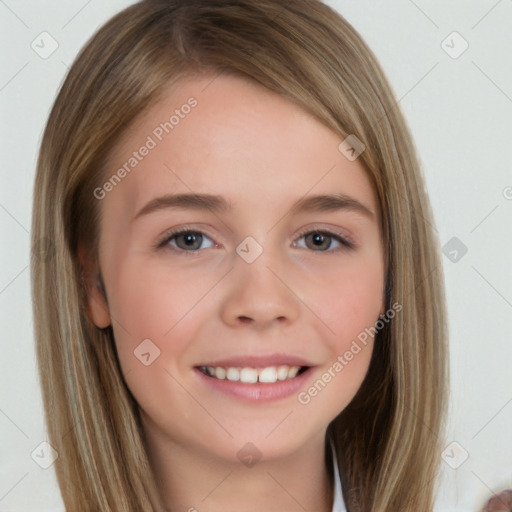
<point x="338" y="502"/>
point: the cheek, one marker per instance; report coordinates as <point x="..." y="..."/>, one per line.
<point x="348" y="299"/>
<point x="165" y="308"/>
<point x="149" y="303"/>
<point x="351" y="316"/>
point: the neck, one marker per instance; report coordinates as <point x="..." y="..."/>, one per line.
<point x="194" y="481"/>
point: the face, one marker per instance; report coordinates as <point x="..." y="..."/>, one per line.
<point x="221" y="261"/>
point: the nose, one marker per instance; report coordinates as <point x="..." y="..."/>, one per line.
<point x="261" y="294"/>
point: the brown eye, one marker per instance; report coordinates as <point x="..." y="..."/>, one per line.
<point x="189" y="240"/>
<point x="186" y="241"/>
<point x="323" y="241"/>
<point x="318" y="241"/>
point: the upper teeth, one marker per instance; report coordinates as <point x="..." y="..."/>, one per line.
<point x="250" y="375"/>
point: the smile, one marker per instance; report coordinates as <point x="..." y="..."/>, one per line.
<point x="250" y="375"/>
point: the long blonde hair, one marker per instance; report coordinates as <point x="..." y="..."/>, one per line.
<point x="390" y="436"/>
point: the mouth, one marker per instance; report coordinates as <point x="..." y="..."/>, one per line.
<point x="256" y="378"/>
<point x="253" y="375"/>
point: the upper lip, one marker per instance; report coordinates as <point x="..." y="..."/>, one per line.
<point x="259" y="361"/>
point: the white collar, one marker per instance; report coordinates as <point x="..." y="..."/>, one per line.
<point x="338" y="502"/>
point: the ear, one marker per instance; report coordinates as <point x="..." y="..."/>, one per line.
<point x="96" y="304"/>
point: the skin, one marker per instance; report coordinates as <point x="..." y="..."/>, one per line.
<point x="500" y="502"/>
<point x="262" y="153"/>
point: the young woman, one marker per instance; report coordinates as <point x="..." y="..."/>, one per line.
<point x="244" y="310"/>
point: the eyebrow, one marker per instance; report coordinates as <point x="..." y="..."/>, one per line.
<point x="218" y="204"/>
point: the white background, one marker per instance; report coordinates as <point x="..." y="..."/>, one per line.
<point x="460" y="114"/>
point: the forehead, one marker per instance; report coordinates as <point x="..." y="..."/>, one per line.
<point x="227" y="135"/>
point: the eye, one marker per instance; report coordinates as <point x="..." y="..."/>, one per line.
<point x="185" y="240"/>
<point x="322" y="241"/>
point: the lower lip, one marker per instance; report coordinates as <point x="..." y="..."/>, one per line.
<point x="258" y="391"/>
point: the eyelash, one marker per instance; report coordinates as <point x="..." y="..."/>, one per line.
<point x="346" y="244"/>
